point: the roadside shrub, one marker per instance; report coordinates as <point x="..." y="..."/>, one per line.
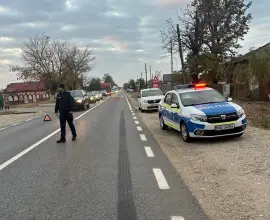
<point x="265" y="121"/>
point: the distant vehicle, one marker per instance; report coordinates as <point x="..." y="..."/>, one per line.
<point x="81" y="99"/>
<point x="107" y="87"/>
<point x="198" y="111"/>
<point x="149" y="99"/>
<point x="92" y="97"/>
<point x="98" y="95"/>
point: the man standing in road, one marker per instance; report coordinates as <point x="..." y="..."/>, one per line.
<point x="64" y="104"/>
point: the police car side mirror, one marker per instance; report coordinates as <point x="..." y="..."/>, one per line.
<point x="229" y="99"/>
<point x="174" y="105"/>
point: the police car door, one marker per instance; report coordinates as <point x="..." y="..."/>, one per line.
<point x="166" y="108"/>
<point x="175" y="112"/>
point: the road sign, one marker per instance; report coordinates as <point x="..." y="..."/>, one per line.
<point x="47" y="118"/>
<point x="155" y="82"/>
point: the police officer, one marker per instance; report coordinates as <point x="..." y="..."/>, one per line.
<point x="64" y="103"/>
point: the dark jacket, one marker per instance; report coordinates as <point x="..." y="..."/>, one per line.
<point x="64" y="103"/>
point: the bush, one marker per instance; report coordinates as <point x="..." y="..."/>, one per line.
<point x="265" y="121"/>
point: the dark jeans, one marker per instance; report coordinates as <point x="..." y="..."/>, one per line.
<point x="67" y="117"/>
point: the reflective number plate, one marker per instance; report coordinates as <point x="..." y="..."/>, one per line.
<point x="224" y="127"/>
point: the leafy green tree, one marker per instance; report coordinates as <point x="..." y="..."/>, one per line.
<point x="107" y="78"/>
<point x="94" y="84"/>
<point x="125" y="86"/>
<point x="132" y="84"/>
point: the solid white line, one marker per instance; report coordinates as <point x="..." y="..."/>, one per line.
<point x="10" y="161"/>
<point x="3" y="128"/>
<point x="177" y="218"/>
<point x="29" y="119"/>
<point x="149" y="152"/>
<point x="162" y="182"/>
<point x="136" y="122"/>
<point x="16" y="124"/>
<point x="134" y="117"/>
<point x="143" y="138"/>
<point x="139" y="128"/>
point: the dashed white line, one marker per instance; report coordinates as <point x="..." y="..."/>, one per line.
<point x="139" y="128"/>
<point x="16" y="157"/>
<point x="149" y="152"/>
<point x="136" y="122"/>
<point x="162" y="182"/>
<point x="133" y="113"/>
<point x="134" y="117"/>
<point x="143" y="138"/>
<point x="16" y="124"/>
<point x="177" y="218"/>
<point x="3" y="128"/>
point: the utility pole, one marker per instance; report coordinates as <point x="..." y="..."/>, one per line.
<point x="181" y="53"/>
<point x="171" y="57"/>
<point x="145" y="74"/>
<point x="151" y="77"/>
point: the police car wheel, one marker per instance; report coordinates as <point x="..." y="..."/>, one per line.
<point x="161" y="123"/>
<point x="184" y="132"/>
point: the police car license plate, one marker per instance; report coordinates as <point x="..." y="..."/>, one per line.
<point x="224" y="127"/>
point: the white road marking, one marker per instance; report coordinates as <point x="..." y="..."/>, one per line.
<point x="177" y="218"/>
<point x="10" y="161"/>
<point x="29" y="119"/>
<point x="162" y="182"/>
<point x="130" y="108"/>
<point x="149" y="152"/>
<point x="3" y="128"/>
<point x="136" y="122"/>
<point x="134" y="117"/>
<point x="139" y="128"/>
<point x="133" y="113"/>
<point x="143" y="138"/>
<point x="16" y="124"/>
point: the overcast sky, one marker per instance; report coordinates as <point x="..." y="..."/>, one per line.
<point x="123" y="34"/>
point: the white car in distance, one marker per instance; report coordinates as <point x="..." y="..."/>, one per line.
<point x="149" y="99"/>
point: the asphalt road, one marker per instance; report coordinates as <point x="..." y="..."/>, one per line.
<point x="115" y="170"/>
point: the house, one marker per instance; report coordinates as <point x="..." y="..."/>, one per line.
<point x="240" y="75"/>
<point x="25" y="92"/>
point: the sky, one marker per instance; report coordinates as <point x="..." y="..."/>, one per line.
<point x="122" y="34"/>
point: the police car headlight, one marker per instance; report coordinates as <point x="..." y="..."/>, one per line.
<point x="144" y="101"/>
<point x="240" y="113"/>
<point x="79" y="100"/>
<point x="198" y="117"/>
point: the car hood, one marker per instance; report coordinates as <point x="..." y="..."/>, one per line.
<point x="77" y="98"/>
<point x="153" y="97"/>
<point x="215" y="108"/>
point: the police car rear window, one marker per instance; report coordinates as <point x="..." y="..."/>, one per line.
<point x="201" y="97"/>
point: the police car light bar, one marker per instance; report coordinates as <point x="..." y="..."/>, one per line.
<point x="200" y="85"/>
<point x="188" y="86"/>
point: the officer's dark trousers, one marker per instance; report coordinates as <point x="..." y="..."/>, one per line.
<point x="66" y="117"/>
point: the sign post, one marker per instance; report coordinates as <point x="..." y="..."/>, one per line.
<point x="155" y="82"/>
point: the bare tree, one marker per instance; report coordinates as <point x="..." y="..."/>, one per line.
<point x="54" y="60"/>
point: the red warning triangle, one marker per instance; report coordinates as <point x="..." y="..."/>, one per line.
<point x="47" y="118"/>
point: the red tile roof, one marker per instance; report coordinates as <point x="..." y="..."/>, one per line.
<point x="26" y="87"/>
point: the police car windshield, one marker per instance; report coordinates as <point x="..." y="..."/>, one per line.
<point x="201" y="97"/>
<point x="76" y="93"/>
<point x="155" y="92"/>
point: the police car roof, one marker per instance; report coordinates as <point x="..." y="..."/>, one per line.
<point x="192" y="90"/>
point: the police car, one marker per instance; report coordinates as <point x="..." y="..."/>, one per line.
<point x="198" y="111"/>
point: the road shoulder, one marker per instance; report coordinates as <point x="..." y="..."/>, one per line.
<point x="228" y="177"/>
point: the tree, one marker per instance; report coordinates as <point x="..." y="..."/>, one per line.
<point x="125" y="86"/>
<point x="141" y="82"/>
<point x="53" y="60"/>
<point x="132" y="84"/>
<point x="226" y="22"/>
<point x="94" y="84"/>
<point x="107" y="78"/>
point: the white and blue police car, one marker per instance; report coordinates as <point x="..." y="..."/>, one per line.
<point x="198" y="111"/>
